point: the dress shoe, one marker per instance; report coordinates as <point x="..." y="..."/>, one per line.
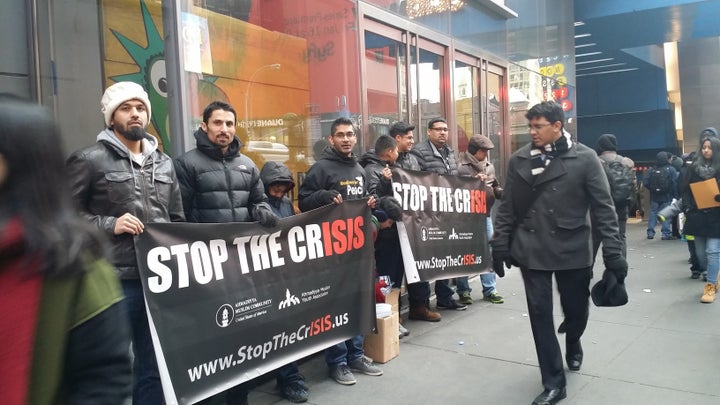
<point x="574" y="356"/>
<point x="550" y="397"/>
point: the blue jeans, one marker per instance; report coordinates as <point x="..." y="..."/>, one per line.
<point x="287" y="374"/>
<point x="655" y="207"/>
<point x="487" y="279"/>
<point x="345" y="352"/>
<point x="708" y="253"/>
<point x="147" y="389"/>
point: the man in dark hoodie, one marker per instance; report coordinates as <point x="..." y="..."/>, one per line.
<point x="661" y="181"/>
<point x="336" y="177"/>
<point x="219" y="184"/>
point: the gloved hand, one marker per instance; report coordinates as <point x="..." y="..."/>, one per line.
<point x="327" y="196"/>
<point x="501" y="258"/>
<point x="717" y="197"/>
<point x="618" y="265"/>
<point x="661" y="218"/>
<point x="265" y="216"/>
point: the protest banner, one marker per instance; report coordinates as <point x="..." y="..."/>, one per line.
<point x="230" y="302"/>
<point x="443" y="232"/>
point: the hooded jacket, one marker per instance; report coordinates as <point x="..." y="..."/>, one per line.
<point x="662" y="161"/>
<point x="107" y="182"/>
<point x="219" y="187"/>
<point x="332" y="172"/>
<point x="274" y="172"/>
<point x="376" y="183"/>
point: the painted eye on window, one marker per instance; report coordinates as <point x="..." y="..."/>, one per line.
<point x="158" y="77"/>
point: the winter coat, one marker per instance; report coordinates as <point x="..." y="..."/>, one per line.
<point x="107" y="183"/>
<point x="377" y="184"/>
<point x="218" y="187"/>
<point x="431" y="159"/>
<point x="469" y="166"/>
<point x="273" y="172"/>
<point x="555" y="232"/>
<point x="332" y="172"/>
<point x="698" y="222"/>
<point x="661" y="161"/>
<point x="407" y="161"/>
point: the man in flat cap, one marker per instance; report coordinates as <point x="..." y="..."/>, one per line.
<point x="475" y="163"/>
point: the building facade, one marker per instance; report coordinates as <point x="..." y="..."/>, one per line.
<point x="290" y="67"/>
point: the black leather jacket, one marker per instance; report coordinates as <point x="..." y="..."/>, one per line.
<point x="107" y="183"/>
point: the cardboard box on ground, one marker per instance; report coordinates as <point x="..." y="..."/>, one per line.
<point x="385" y="345"/>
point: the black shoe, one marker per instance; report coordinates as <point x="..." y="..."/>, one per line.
<point x="295" y="391"/>
<point x="550" y="397"/>
<point x="452" y="304"/>
<point x="574" y="356"/>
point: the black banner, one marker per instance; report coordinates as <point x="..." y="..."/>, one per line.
<point x="443" y="234"/>
<point x="230" y="302"/>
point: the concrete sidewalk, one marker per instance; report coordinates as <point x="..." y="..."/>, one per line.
<point x="660" y="348"/>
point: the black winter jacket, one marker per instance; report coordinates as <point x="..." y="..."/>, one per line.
<point x="106" y="184"/>
<point x="376" y="183"/>
<point x="431" y="159"/>
<point x="332" y="172"/>
<point x="407" y="161"/>
<point x="219" y="188"/>
<point x="698" y="222"/>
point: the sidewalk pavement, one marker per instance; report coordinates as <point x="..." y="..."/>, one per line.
<point x="658" y="349"/>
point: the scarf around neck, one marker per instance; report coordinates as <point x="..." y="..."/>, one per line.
<point x="541" y="156"/>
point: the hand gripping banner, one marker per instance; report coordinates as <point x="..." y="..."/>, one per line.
<point x="230" y="302"/>
<point x="443" y="233"/>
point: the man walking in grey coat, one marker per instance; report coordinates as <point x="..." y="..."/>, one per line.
<point x="552" y="185"/>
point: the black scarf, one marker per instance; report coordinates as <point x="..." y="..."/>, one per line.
<point x="541" y="156"/>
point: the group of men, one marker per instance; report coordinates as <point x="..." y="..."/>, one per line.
<point x="124" y="181"/>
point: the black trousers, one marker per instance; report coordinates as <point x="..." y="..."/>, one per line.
<point x="574" y="289"/>
<point x="389" y="262"/>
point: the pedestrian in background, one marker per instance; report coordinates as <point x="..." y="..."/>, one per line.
<point x="64" y="335"/>
<point x="704" y="223"/>
<point x="661" y="181"/>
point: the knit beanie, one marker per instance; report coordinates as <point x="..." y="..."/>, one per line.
<point x="606" y="142"/>
<point x="119" y="93"/>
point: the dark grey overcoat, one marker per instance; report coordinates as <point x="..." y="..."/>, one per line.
<point x="555" y="232"/>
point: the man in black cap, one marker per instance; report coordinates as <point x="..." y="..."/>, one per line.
<point x="620" y="172"/>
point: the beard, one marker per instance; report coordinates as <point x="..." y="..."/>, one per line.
<point x="133" y="133"/>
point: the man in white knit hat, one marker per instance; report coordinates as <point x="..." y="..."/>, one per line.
<point x="120" y="183"/>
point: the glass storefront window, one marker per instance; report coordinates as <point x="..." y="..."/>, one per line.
<point x="386" y="88"/>
<point x="426" y="88"/>
<point x="467" y="108"/>
<point x="288" y="67"/>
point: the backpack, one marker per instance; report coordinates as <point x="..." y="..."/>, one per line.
<point x="660" y="181"/>
<point x="621" y="179"/>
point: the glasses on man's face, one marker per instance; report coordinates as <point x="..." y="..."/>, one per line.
<point x="537" y="127"/>
<point x="442" y="129"/>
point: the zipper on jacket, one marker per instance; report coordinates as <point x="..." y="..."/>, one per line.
<point x="229" y="189"/>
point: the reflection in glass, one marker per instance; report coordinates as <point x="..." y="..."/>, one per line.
<point x="425" y="89"/>
<point x="467" y="111"/>
<point x="386" y="87"/>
